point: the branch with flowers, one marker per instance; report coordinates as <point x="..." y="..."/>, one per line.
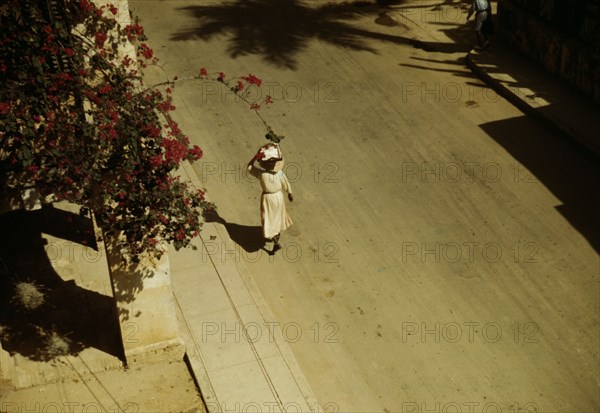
<point x="239" y="85"/>
<point x="77" y="124"/>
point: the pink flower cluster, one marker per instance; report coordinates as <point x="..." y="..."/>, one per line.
<point x="252" y="80"/>
<point x="134" y="31"/>
<point x="195" y="153"/>
<point x="146" y="51"/>
<point x="86" y="6"/>
<point x="100" y="38"/>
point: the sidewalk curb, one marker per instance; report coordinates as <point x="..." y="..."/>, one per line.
<point x="549" y="122"/>
<point x="280" y="385"/>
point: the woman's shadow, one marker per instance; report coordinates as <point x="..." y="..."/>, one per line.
<point x="250" y="238"/>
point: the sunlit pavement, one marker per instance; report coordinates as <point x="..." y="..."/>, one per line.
<point x="443" y="254"/>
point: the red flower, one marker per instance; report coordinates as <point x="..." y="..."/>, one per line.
<point x="175" y="151"/>
<point x="195" y="153"/>
<point x="155" y="161"/>
<point x="166" y="106"/>
<point x="100" y="38"/>
<point x="180" y="234"/>
<point x="113" y="9"/>
<point x="253" y="80"/>
<point x="203" y="72"/>
<point x="174" y="127"/>
<point x="106" y="88"/>
<point x="4" y="108"/>
<point x="114" y="116"/>
<point x="255" y="106"/>
<point x="153" y="131"/>
<point x="126" y="61"/>
<point x="86" y="6"/>
<point x="147" y="52"/>
<point x="133" y="30"/>
<point x="268" y="99"/>
<point x="64" y="76"/>
<point x="239" y="86"/>
<point x="69" y="52"/>
<point x="221" y="77"/>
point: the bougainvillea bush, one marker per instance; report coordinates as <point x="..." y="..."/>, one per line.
<point x="78" y="124"/>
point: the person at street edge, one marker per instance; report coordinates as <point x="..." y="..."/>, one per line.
<point x="273" y="213"/>
<point x="483" y="24"/>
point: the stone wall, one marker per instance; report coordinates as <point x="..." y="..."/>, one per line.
<point x="561" y="54"/>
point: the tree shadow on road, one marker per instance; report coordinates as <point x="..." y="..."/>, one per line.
<point x="280" y="29"/>
<point x="60" y="317"/>
<point x="454" y="26"/>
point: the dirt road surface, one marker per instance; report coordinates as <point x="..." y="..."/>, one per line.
<point x="443" y="255"/>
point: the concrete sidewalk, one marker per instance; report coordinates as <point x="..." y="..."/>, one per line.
<point x="238" y="353"/>
<point x="538" y="93"/>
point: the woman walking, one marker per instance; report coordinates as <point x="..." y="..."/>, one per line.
<point x="273" y="213"/>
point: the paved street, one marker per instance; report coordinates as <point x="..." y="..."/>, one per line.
<point x="443" y="255"/>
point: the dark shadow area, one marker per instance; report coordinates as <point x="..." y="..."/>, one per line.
<point x="59" y="317"/>
<point x="127" y="277"/>
<point x="564" y="167"/>
<point x="458" y="29"/>
<point x="527" y="78"/>
<point x="280" y="29"/>
<point x="460" y="32"/>
<point x="249" y="238"/>
<point x="438" y="47"/>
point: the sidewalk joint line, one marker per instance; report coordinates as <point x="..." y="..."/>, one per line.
<point x="196" y="346"/>
<point x="245" y="332"/>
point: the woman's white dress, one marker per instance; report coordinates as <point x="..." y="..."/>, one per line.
<point x="273" y="213"/>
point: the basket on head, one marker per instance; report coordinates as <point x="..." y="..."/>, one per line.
<point x="269" y="157"/>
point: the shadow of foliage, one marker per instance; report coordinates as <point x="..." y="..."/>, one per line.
<point x="69" y="318"/>
<point x="127" y="277"/>
<point x="280" y="29"/>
